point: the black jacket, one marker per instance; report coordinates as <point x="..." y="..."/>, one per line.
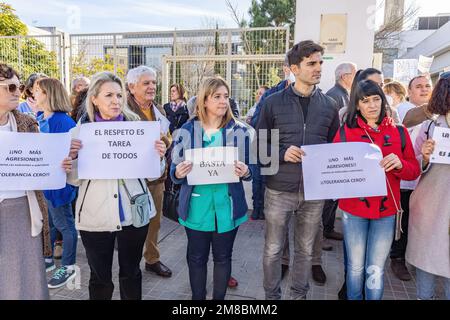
<point x="177" y="118"/>
<point x="340" y="95"/>
<point x="283" y="111"/>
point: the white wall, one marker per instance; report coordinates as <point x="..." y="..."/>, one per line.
<point x="360" y="31"/>
<point x="437" y="45"/>
<point x="411" y="38"/>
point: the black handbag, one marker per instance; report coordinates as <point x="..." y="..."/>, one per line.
<point x="170" y="203"/>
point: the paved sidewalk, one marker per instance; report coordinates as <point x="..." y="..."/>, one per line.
<point x="247" y="269"/>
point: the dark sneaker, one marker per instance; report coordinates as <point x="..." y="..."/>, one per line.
<point x="49" y="265"/>
<point x="400" y="270"/>
<point x="159" y="268"/>
<point x="61" y="276"/>
<point x="333" y="235"/>
<point x="318" y="275"/>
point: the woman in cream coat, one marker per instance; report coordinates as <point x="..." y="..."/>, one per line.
<point x="103" y="210"/>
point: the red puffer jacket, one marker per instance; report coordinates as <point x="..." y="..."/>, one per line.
<point x="387" y="137"/>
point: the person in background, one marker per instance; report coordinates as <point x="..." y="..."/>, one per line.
<point x="429" y="218"/>
<point x="211" y="214"/>
<point x="52" y="98"/>
<point x="259" y="93"/>
<point x="176" y="110"/>
<point x="344" y="75"/>
<point x="104" y="211"/>
<point x="369" y="222"/>
<point x="79" y="105"/>
<point x="78" y="84"/>
<point x="395" y="92"/>
<point x="29" y="106"/>
<point x="141" y="82"/>
<point x="24" y="227"/>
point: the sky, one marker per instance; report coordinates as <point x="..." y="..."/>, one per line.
<point x="98" y="16"/>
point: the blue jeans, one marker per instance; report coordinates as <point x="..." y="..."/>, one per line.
<point x="61" y="219"/>
<point x="426" y="284"/>
<point x="367" y="243"/>
<point x="198" y="248"/>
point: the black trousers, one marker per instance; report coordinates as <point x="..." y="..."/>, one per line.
<point x="329" y="215"/>
<point x="398" y="249"/>
<point x="99" y="248"/>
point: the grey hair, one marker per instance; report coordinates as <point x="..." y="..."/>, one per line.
<point x="94" y="89"/>
<point x="343" y="68"/>
<point x="135" y="74"/>
<point x="77" y="80"/>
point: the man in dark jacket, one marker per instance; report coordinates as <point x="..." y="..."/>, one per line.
<point x="345" y="73"/>
<point x="302" y="115"/>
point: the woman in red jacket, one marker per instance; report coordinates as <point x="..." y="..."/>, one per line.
<point x="369" y="223"/>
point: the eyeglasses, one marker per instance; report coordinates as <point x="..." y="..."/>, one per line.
<point x="12" y="87"/>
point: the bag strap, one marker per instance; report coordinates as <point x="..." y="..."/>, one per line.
<point x="401" y="131"/>
<point x="122" y="181"/>
<point x="428" y="129"/>
<point x="342" y="133"/>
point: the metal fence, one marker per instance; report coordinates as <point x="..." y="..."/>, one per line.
<point x="244" y="74"/>
<point x="246" y="58"/>
<point x="30" y="54"/>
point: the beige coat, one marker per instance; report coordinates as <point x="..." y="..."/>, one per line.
<point x="429" y="214"/>
<point x="97" y="208"/>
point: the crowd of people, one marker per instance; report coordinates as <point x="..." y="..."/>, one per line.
<point x="409" y="225"/>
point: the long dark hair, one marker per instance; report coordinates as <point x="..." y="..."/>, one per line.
<point x="440" y="98"/>
<point x="361" y="90"/>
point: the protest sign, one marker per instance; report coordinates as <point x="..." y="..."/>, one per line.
<point x="405" y="69"/>
<point x="33" y="161"/>
<point x="424" y="64"/>
<point x="441" y="152"/>
<point x="212" y="165"/>
<point x="343" y="170"/>
<point x="119" y="150"/>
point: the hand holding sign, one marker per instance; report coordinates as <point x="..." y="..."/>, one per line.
<point x="160" y="148"/>
<point x="75" y="146"/>
<point x="240" y="168"/>
<point x="427" y="150"/>
<point x="183" y="169"/>
<point x="294" y="154"/>
<point x="391" y="162"/>
<point x="67" y="164"/>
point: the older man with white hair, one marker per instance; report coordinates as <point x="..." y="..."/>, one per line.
<point x="141" y="85"/>
<point x="344" y="73"/>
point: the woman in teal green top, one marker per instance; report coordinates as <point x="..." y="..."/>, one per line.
<point x="211" y="214"/>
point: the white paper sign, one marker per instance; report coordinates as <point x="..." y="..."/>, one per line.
<point x="441" y="152"/>
<point x="425" y="63"/>
<point x="32" y="161"/>
<point x="212" y="165"/>
<point x="119" y="150"/>
<point x="405" y="69"/>
<point x="343" y="170"/>
<point x="165" y="123"/>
